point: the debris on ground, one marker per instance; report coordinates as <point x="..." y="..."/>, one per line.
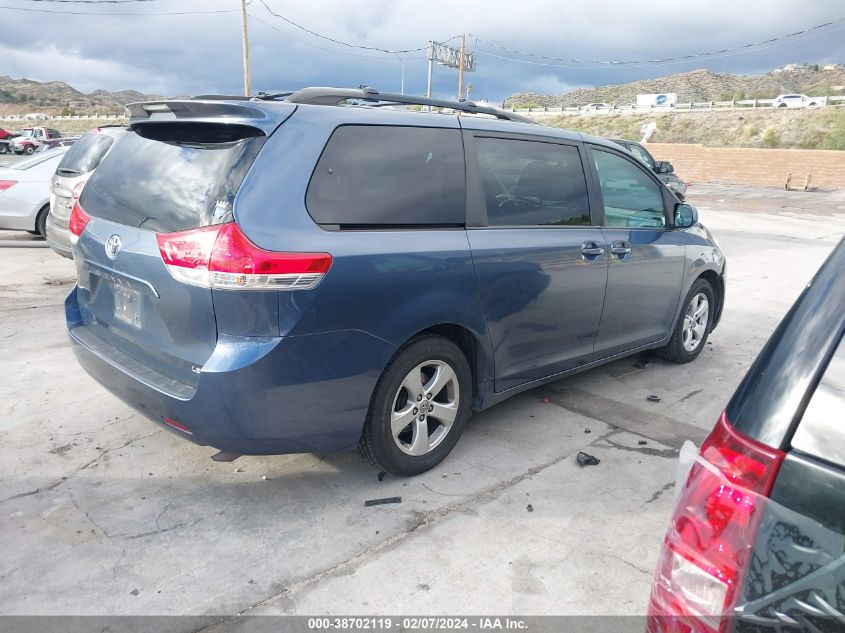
<point x="642" y="442"/>
<point x="546" y="401"/>
<point x="585" y="459"/>
<point x="265" y="478"/>
<point x="653" y="397"/>
<point x="587" y="430"/>
<point x="529" y="507"/>
<point x="384" y="501"/>
<point x="381" y="475"/>
<point x="237" y="470"/>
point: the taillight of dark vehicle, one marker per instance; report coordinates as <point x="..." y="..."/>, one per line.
<point x="710" y="537"/>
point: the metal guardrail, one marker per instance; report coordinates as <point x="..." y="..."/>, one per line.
<point x="71" y="117"/>
<point x="829" y="101"/>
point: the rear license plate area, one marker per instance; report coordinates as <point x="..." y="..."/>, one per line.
<point x="127" y="305"/>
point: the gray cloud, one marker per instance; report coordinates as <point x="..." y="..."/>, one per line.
<point x="190" y="54"/>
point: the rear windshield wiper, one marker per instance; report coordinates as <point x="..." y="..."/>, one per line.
<point x="65" y="170"/>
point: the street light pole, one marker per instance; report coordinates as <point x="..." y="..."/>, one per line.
<point x="245" y="41"/>
<point x="401" y="61"/>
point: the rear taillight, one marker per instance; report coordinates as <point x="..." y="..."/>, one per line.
<point x="221" y="256"/>
<point x="709" y="540"/>
<point x="7" y="184"/>
<point x="77" y="221"/>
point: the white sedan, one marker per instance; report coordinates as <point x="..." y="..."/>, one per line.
<point x="796" y="101"/>
<point x="25" y="191"/>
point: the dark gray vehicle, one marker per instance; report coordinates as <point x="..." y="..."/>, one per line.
<point x="239" y="260"/>
<point x="663" y="168"/>
<point x="757" y="540"/>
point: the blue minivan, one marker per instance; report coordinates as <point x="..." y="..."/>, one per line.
<point x="328" y="268"/>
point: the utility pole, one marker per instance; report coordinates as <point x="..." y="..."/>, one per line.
<point x="461" y="68"/>
<point x="245" y="38"/>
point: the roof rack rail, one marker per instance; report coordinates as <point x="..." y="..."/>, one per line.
<point x="219" y="98"/>
<point x="335" y="96"/>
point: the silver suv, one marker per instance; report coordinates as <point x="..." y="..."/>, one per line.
<point x="71" y="174"/>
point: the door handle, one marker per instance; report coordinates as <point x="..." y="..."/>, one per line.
<point x="620" y="248"/>
<point x="591" y="251"/>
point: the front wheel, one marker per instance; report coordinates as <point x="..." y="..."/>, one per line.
<point x="420" y="407"/>
<point x="29" y="149"/>
<point x="693" y="326"/>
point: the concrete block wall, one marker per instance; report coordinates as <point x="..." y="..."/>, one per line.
<point x="745" y="166"/>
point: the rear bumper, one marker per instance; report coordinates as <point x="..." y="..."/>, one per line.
<point x="255" y="396"/>
<point x="58" y="236"/>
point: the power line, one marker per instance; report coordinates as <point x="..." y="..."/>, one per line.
<point x="33" y="10"/>
<point x="682" y="58"/>
<point x="336" y="41"/>
<point x="291" y="38"/>
<point x="649" y="65"/>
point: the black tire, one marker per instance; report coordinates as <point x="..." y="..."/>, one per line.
<point x="674" y="350"/>
<point x="781" y="105"/>
<point x="41" y="222"/>
<point x="377" y="444"/>
<point x="29" y="149"/>
<point x="3" y="148"/>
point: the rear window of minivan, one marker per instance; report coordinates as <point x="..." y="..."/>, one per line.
<point x="388" y="176"/>
<point x="85" y="154"/>
<point x="169" y="177"/>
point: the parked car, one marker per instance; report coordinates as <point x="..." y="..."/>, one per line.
<point x="65" y="141"/>
<point x="25" y="192"/>
<point x="6" y="138"/>
<point x="277" y="276"/>
<point x="72" y="172"/>
<point x="755" y="543"/>
<point x="31" y="137"/>
<point x="796" y="101"/>
<point x="664" y="169"/>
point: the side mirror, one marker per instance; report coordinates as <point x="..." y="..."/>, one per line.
<point x="664" y="167"/>
<point x="686" y="215"/>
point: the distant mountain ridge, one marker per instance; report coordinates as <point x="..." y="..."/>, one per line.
<point x="703" y="85"/>
<point x="57" y="97"/>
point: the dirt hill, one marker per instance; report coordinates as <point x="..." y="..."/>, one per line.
<point x="822" y="128"/>
<point x="702" y="85"/>
<point x="56" y="97"/>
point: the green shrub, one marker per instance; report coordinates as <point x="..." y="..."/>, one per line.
<point x="770" y="138"/>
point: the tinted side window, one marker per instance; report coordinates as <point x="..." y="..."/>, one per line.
<point x="529" y="183"/>
<point x="631" y="198"/>
<point x="379" y="175"/>
<point x="640" y="153"/>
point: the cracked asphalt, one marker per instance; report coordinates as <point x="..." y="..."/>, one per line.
<point x="103" y="513"/>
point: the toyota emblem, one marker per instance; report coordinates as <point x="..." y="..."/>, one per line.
<point x="113" y="245"/>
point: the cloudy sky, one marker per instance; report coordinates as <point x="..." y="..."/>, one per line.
<point x="201" y="52"/>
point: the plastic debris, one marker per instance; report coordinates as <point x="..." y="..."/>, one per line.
<point x="381" y="475"/>
<point x="529" y="507"/>
<point x="642" y="442"/>
<point x="384" y="501"/>
<point x="546" y="401"/>
<point x="652" y="397"/>
<point x="587" y="431"/>
<point x="584" y="459"/>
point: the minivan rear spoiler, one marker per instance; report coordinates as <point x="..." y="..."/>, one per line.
<point x="265" y="118"/>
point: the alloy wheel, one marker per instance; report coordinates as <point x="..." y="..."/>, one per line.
<point x="425" y="407"/>
<point x="695" y="321"/>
